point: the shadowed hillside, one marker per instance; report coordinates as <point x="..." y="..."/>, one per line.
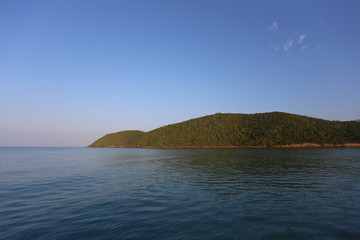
<point x="220" y="130"/>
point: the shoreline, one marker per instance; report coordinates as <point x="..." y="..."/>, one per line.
<point x="301" y="145"/>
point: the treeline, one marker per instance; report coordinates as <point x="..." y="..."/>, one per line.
<point x="128" y="138"/>
<point x="262" y="129"/>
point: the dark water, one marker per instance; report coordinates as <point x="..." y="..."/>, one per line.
<point x="79" y="193"/>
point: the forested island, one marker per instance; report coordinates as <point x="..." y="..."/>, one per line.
<point x="274" y="129"/>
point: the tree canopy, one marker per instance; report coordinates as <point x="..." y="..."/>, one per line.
<point x="218" y="130"/>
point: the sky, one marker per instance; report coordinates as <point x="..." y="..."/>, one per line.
<point x="73" y="71"/>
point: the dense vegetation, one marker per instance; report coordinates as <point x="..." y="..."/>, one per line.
<point x="262" y="129"/>
<point x="128" y="138"/>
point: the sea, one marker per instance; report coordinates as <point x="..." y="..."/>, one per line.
<point x="119" y="193"/>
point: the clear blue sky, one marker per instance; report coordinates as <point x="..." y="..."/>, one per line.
<point x="72" y="71"/>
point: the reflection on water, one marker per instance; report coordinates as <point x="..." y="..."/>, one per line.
<point x="177" y="194"/>
<point x="258" y="170"/>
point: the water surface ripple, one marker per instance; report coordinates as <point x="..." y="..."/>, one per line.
<point x="82" y="193"/>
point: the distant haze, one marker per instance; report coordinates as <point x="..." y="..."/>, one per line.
<point x="73" y="71"/>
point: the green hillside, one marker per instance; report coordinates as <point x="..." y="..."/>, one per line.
<point x="128" y="138"/>
<point x="262" y="129"/>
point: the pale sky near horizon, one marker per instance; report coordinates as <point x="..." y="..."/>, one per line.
<point x="73" y="71"/>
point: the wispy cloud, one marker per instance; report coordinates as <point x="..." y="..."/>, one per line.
<point x="301" y="38"/>
<point x="293" y="42"/>
<point x="274" y="27"/>
<point x="287" y="45"/>
<point x="273" y="46"/>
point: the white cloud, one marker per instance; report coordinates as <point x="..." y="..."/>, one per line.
<point x="288" y="44"/>
<point x="295" y="41"/>
<point x="301" y="38"/>
<point x="274" y="27"/>
<point x="275" y="47"/>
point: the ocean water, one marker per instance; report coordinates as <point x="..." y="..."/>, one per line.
<point x="85" y="193"/>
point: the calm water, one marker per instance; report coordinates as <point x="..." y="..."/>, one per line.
<point x="80" y="193"/>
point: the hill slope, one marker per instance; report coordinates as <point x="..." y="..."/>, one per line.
<point x="129" y="138"/>
<point x="220" y="130"/>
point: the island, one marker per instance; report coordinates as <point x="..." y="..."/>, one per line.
<point x="233" y="130"/>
